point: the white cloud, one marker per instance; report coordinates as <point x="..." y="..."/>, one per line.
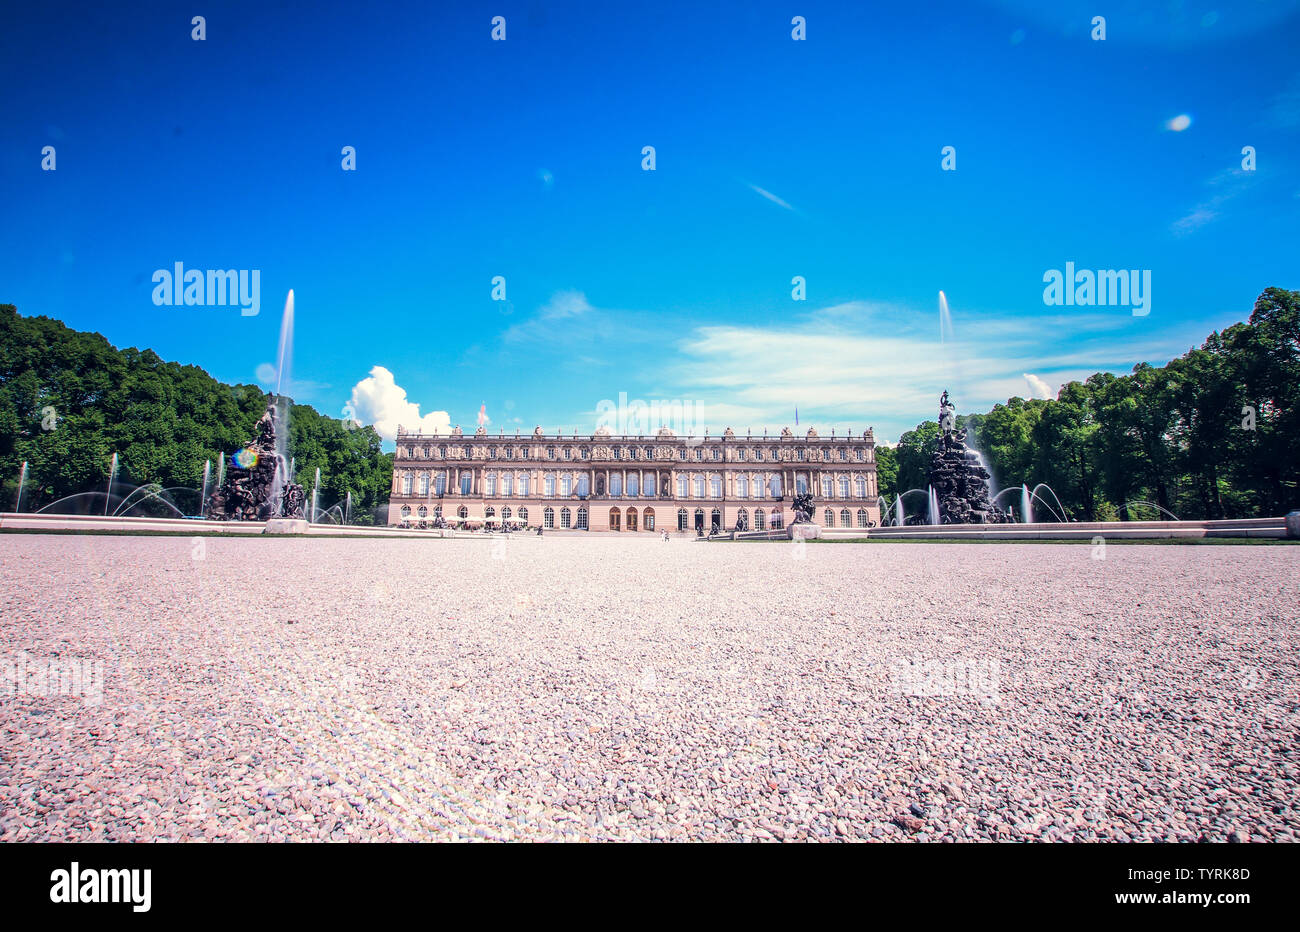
<point x="379" y="400"/>
<point x="565" y="304"/>
<point x="1038" y="387"/>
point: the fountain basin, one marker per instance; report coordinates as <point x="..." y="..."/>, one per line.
<point x="286" y="526"/>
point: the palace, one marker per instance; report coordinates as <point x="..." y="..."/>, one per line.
<point x="603" y="482"/>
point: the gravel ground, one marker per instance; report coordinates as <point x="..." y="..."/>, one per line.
<point x="569" y="688"/>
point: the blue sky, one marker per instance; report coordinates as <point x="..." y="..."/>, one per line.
<point x="774" y="159"/>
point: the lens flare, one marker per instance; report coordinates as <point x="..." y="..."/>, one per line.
<point x="245" y="458"/>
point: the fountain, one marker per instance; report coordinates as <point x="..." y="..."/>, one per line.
<point x="203" y="494"/>
<point x="22" y="478"/>
<point x="347" y="509"/>
<point x="898" y="510"/>
<point x="1026" y="505"/>
<point x="315" y="496"/>
<point x="959" y="481"/>
<point x="112" y="475"/>
<point x="258" y="485"/>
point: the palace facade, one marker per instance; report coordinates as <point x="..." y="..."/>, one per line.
<point x="603" y="482"/>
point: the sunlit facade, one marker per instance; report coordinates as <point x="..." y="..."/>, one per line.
<point x="603" y="482"/>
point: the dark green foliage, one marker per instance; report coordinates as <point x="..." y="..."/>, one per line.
<point x="164" y="421"/>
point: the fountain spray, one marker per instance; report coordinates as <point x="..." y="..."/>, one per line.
<point x="22" y="478"/>
<point x="203" y="495"/>
<point x="112" y="475"/>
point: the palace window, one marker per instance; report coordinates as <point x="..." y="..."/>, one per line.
<point x="683" y="519"/>
<point x="634" y="453"/>
<point x="740" y="454"/>
<point x="618" y="453"/>
<point x="406" y="511"/>
<point x="802" y="454"/>
<point x="758" y="456"/>
<point x="490" y="484"/>
<point x="505" y="513"/>
<point x="774" y="486"/>
<point x="410" y="452"/>
<point x="844" y="486"/>
<point x="742" y="487"/>
<point x="830" y="518"/>
<point x="437" y="511"/>
<point x="860" y="487"/>
<point x="759" y="483"/>
<point x="760" y="520"/>
<point x="857" y="453"/>
<point x="742" y="520"/>
<point x="510" y="453"/>
<point x="462" y="512"/>
<point x="586" y="453"/>
<point x="862" y="517"/>
<point x="649" y="454"/>
<point x="566" y="518"/>
<point x="717" y="454"/>
<point x="549" y="485"/>
<point x="406" y="484"/>
<point x="801" y="484"/>
<point x="523" y="453"/>
<point x="426" y="452"/>
<point x="778" y="521"/>
<point x="699" y="454"/>
<point x="566" y="485"/>
<point x="523" y="515"/>
<point x="440" y="482"/>
<point x="507" y="484"/>
<point x="699" y="486"/>
<point x="826" y="486"/>
<point x="681" y="486"/>
<point x="548" y="517"/>
<point x="568" y="453"/>
<point x="715" y="487"/>
<point x="442" y="452"/>
<point x="424" y="483"/>
<point x="584" y="486"/>
<point x="648" y="519"/>
<point x="523" y="487"/>
<point x="616" y="486"/>
<point x="492" y="453"/>
<point x="681" y="453"/>
<point x="466" y="483"/>
<point x="550" y="453"/>
<point x="649" y="489"/>
<point x="422" y="511"/>
<point x="845" y="517"/>
<point x="489" y="512"/>
<point x="582" y="519"/>
<point x="844" y="455"/>
<point x="633" y="485"/>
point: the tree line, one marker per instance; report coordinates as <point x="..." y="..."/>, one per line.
<point x="69" y="400"/>
<point x="1214" y="433"/>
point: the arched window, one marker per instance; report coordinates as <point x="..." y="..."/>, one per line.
<point x="699" y="519"/>
<point x="778" y="521"/>
<point x="489" y="512"/>
<point x="760" y="520"/>
<point x="715" y="521"/>
<point x="615" y="519"/>
<point x="759" y="484"/>
<point x="648" y="518"/>
<point x="860" y="487"/>
<point x="523" y="515"/>
<point x="862" y="517"/>
<point x="406" y="484"/>
<point x="490" y="484"/>
<point x="462" y="512"/>
<point x="424" y="483"/>
<point x="826" y="486"/>
<point x="566" y="485"/>
<point x="437" y="511"/>
<point x="844" y="486"/>
<point x="683" y="519"/>
<point x="830" y="518"/>
<point x="523" y="486"/>
<point x="548" y="517"/>
<point x="774" y="486"/>
<point x="846" y="519"/>
<point x="681" y="487"/>
<point x="566" y="518"/>
<point x="548" y="485"/>
<point x="715" y="487"/>
<point x="507" y="484"/>
<point x="699" y="486"/>
<point x="631" y="519"/>
<point x="742" y="518"/>
<point x="505" y="513"/>
<point x="406" y="511"/>
<point x="742" y="486"/>
<point x="582" y="519"/>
